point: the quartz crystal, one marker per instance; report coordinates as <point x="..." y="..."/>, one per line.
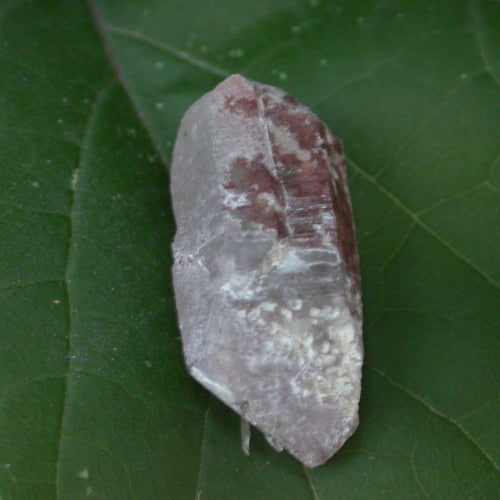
<point x="266" y="271"/>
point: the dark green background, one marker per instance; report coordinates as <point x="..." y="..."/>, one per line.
<point x="94" y="398"/>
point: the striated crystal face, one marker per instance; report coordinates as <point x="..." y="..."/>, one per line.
<point x="266" y="270"/>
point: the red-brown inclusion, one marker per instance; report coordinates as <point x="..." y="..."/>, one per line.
<point x="253" y="179"/>
<point x="242" y="106"/>
<point x="303" y="189"/>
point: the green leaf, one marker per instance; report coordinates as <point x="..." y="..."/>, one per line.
<point x="94" y="397"/>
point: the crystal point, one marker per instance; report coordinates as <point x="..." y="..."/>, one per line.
<point x="266" y="271"/>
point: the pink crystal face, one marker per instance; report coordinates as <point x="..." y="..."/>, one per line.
<point x="266" y="271"/>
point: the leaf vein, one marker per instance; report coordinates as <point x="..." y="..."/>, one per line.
<point x="474" y="9"/>
<point x="41" y="134"/>
<point x="422" y="225"/>
<point x="439" y="414"/>
<point x="366" y="75"/>
<point x="412" y="458"/>
<point x="407" y="140"/>
<point x="479" y="408"/>
<point x="172" y="51"/>
<point x="452" y="197"/>
<point x="106" y="450"/>
<point x="202" y="450"/>
<point x="310" y="483"/>
<point x="26" y="383"/>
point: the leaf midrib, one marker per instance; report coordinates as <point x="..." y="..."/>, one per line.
<point x="70" y="261"/>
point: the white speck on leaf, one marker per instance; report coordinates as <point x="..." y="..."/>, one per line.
<point x="74" y="179"/>
<point x="84" y="473"/>
<point x="236" y="53"/>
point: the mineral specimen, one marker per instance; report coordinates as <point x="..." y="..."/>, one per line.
<point x="266" y="271"/>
